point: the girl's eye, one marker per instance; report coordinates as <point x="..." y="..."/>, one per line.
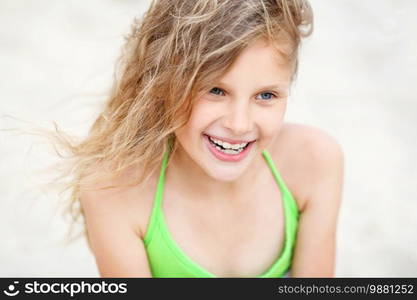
<point x="268" y="96"/>
<point x="216" y="91"/>
<point x="264" y="96"/>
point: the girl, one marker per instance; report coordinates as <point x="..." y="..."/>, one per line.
<point x="190" y="170"/>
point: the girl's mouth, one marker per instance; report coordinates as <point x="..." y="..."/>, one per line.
<point x="225" y="151"/>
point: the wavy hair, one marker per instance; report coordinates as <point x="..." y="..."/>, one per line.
<point x="173" y="53"/>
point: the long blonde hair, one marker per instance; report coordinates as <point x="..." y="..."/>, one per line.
<point x="173" y="53"/>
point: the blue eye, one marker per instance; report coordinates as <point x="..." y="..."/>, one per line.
<point x="216" y="91"/>
<point x="219" y="92"/>
<point x="268" y="98"/>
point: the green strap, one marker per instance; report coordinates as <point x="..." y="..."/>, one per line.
<point x="157" y="200"/>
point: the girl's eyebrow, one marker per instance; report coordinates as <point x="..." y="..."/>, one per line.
<point x="283" y="85"/>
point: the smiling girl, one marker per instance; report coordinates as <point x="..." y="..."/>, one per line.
<point x="190" y="170"/>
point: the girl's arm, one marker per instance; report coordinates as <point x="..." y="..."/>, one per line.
<point x="118" y="250"/>
<point x="316" y="241"/>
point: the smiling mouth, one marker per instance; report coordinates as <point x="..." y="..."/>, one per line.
<point x="228" y="147"/>
<point x="226" y="152"/>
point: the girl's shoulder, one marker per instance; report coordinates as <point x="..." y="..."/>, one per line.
<point x="300" y="152"/>
<point x="133" y="202"/>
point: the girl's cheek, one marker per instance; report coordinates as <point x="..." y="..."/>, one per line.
<point x="270" y="125"/>
<point x="205" y="111"/>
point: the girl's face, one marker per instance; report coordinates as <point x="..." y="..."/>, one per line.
<point x="247" y="105"/>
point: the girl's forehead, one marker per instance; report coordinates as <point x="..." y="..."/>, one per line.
<point x="260" y="60"/>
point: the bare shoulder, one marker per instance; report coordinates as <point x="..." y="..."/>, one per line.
<point x="112" y="226"/>
<point x="306" y="154"/>
<point x="315" y="170"/>
<point x="315" y="138"/>
<point x="131" y="204"/>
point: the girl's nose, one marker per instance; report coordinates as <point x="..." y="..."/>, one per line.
<point x="238" y="119"/>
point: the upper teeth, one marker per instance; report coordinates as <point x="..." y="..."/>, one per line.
<point x="227" y="145"/>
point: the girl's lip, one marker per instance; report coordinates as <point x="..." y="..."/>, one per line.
<point x="227" y="157"/>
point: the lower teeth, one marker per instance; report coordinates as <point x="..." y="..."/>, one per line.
<point x="229" y="151"/>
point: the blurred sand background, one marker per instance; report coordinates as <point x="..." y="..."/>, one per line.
<point x="357" y="80"/>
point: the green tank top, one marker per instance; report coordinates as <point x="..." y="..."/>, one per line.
<point x="167" y="259"/>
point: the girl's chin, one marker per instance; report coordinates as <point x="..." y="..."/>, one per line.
<point x="222" y="171"/>
<point x="222" y="176"/>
